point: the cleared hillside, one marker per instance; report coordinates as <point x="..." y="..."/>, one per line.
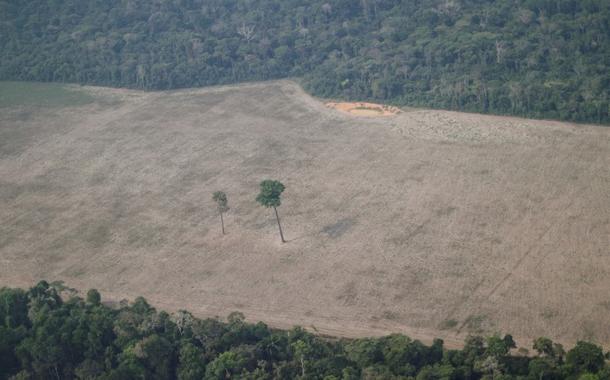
<point x="429" y="223"/>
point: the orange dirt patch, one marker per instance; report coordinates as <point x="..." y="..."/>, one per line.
<point x="364" y="109"/>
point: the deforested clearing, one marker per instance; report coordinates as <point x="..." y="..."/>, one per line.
<point x="429" y="223"/>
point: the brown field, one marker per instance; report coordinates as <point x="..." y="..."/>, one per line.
<point x="429" y="223"/>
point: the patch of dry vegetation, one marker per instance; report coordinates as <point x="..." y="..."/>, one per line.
<point x="416" y="223"/>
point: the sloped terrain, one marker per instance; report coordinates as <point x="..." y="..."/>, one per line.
<point x="430" y="223"/>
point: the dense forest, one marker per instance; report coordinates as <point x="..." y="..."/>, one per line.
<point x="534" y="58"/>
<point x="49" y="333"/>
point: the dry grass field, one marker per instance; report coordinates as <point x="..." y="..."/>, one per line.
<point x="429" y="223"/>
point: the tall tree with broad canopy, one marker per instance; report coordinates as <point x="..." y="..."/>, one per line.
<point x="222" y="204"/>
<point x="270" y="197"/>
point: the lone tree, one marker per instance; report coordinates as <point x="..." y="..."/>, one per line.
<point x="270" y="197"/>
<point x="223" y="206"/>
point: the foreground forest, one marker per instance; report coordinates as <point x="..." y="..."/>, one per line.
<point x="534" y="58"/>
<point x="44" y="337"/>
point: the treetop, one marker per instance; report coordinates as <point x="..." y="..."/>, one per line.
<point x="270" y="193"/>
<point x="221" y="200"/>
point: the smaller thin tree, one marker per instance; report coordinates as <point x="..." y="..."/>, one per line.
<point x="270" y="197"/>
<point x="223" y="206"/>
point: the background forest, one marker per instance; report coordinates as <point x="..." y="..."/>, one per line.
<point x="44" y="337"/>
<point x="534" y="58"/>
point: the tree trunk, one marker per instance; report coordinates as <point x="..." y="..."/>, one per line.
<point x="222" y="223"/>
<point x="279" y="225"/>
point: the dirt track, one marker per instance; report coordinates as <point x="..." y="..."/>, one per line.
<point x="430" y="223"/>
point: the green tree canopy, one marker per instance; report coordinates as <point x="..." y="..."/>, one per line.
<point x="270" y="192"/>
<point x="221" y="200"/>
<point x="534" y="58"/>
<point x="67" y="338"/>
<point x="585" y="357"/>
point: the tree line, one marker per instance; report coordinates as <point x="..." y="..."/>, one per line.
<point x="533" y="58"/>
<point x="47" y="332"/>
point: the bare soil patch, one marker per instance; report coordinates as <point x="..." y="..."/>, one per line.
<point x="364" y="109"/>
<point x="429" y="223"/>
